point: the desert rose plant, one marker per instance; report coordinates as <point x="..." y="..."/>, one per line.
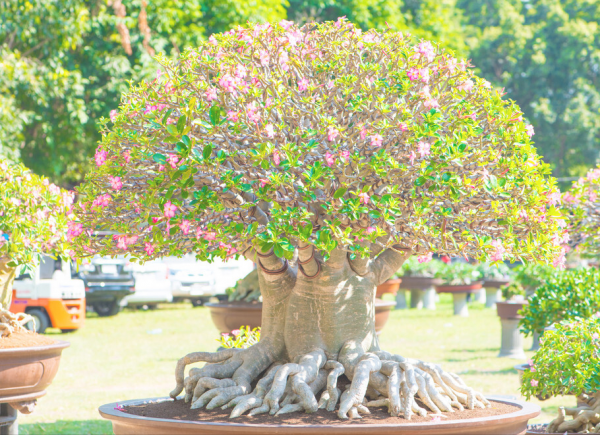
<point x="327" y="156"/>
<point x="35" y="219"/>
<point x="567" y="363"/>
<point x="413" y="266"/>
<point x="582" y="205"/>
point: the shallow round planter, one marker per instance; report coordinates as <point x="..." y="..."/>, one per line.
<point x="26" y="372"/>
<point x="495" y="283"/>
<point x="459" y="295"/>
<point x="418" y="282"/>
<point x="505" y="424"/>
<point x="390" y="286"/>
<point x="229" y="316"/>
<point x="510" y="310"/>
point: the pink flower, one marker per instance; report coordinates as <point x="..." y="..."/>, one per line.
<point x="276" y="157"/>
<point x="529" y="130"/>
<point x="332" y="133"/>
<point x="329" y="159"/>
<point x="113" y="115"/>
<point x="466" y="86"/>
<point x="553" y="197"/>
<point x="286" y="24"/>
<point x="121" y="243"/>
<point x="283" y="60"/>
<point x="523" y="214"/>
<point x="596" y="336"/>
<point x="251" y="113"/>
<point x="127" y="156"/>
<point x="376" y="140"/>
<point x="431" y="103"/>
<point x="534" y="383"/>
<point x="100" y="157"/>
<point x="303" y="85"/>
<point x="210" y="236"/>
<point x="345" y="155"/>
<point x="185" y="226"/>
<point x="148" y="248"/>
<point x="172" y="160"/>
<point x="235" y="332"/>
<point x="426" y="49"/>
<point x="227" y="82"/>
<point x="530" y="362"/>
<point x="269" y="130"/>
<point x="210" y="94"/>
<point x="74" y="229"/>
<point x="363" y="132"/>
<point x="169" y="210"/>
<point x="402" y="126"/>
<point x="102" y="200"/>
<point x="263" y="182"/>
<point x="264" y="57"/>
<point x="423" y="148"/>
<point x="115" y="183"/>
<point x="294" y="37"/>
<point x="364" y="197"/>
<point x="213" y="40"/>
<point x="498" y="254"/>
<point x="240" y="71"/>
<point x="426" y="258"/>
<point x="232" y="116"/>
<point x="370" y="230"/>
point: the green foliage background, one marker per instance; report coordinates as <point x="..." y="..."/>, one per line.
<point x="62" y="66"/>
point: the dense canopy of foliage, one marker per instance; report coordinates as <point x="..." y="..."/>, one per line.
<point x="325" y="135"/>
<point x="582" y="205"/>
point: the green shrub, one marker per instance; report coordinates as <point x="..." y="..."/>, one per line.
<point x="414" y="267"/>
<point x="458" y="273"/>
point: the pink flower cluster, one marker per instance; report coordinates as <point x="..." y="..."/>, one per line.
<point x="102" y="200"/>
<point x="100" y="157"/>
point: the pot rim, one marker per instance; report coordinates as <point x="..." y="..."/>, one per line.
<point x="108" y="411"/>
<point x="238" y="305"/>
<point x="459" y="288"/>
<point x="16" y="351"/>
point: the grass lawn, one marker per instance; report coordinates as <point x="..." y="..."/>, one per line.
<point x="133" y="355"/>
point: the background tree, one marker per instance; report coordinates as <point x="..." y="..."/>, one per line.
<point x="327" y="156"/>
<point x="546" y="54"/>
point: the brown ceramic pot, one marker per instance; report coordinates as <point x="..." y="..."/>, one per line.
<point x="507" y="424"/>
<point x="228" y="316"/>
<point x="495" y="283"/>
<point x="418" y="282"/>
<point x="390" y="286"/>
<point x="509" y="310"/>
<point x="470" y="288"/>
<point x="26" y="372"/>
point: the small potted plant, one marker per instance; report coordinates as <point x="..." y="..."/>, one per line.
<point x="494" y="277"/>
<point x="459" y="279"/>
<point x="35" y="219"/>
<point x="418" y="274"/>
<point x="567" y="364"/>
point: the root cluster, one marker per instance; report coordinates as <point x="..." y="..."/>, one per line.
<point x="586" y="416"/>
<point x="378" y="379"/>
<point x="11" y="322"/>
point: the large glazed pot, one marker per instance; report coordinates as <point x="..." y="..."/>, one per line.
<point x="26" y="372"/>
<point x="390" y="286"/>
<point x="229" y="316"/>
<point x="507" y="424"/>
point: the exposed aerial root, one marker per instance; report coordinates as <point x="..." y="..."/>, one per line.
<point x="586" y="417"/>
<point x="379" y="379"/>
<point x="13" y="322"/>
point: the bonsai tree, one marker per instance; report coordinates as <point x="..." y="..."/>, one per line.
<point x="459" y="273"/>
<point x="246" y="289"/>
<point x="570" y="295"/>
<point x="567" y="363"/>
<point x="582" y="205"/>
<point x="35" y="218"/>
<point x="497" y="272"/>
<point x="415" y="266"/>
<point x="350" y="150"/>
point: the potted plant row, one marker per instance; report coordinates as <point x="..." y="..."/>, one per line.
<point x="279" y="143"/>
<point x="418" y="274"/>
<point x="494" y="277"/>
<point x="459" y="279"/>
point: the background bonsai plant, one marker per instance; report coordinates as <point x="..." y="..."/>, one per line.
<point x="459" y="273"/>
<point x="346" y="151"/>
<point x="569" y="295"/>
<point x="494" y="272"/>
<point x="415" y="268"/>
<point x="35" y="218"/>
<point x="582" y="206"/>
<point x="567" y="363"/>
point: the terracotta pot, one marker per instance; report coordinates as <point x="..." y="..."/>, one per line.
<point x="228" y="316"/>
<point x="26" y="372"/>
<point x="471" y="288"/>
<point x="390" y="286"/>
<point x="506" y="424"/>
<point x="418" y="282"/>
<point x="495" y="283"/>
<point x="509" y="310"/>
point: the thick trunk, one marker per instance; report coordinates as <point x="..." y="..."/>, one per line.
<point x="7" y="278"/>
<point x="319" y="323"/>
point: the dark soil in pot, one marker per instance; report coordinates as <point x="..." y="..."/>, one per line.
<point x="179" y="410"/>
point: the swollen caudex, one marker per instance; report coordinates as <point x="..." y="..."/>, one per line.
<point x="11" y="322"/>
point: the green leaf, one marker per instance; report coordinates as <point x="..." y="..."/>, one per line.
<point x="420" y="181"/>
<point x="207" y="151"/>
<point x="215" y="114"/>
<point x="186" y="140"/>
<point x="160" y="158"/>
<point x="181" y="123"/>
<point x="339" y="193"/>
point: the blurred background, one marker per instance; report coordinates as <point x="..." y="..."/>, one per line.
<point x="65" y="63"/>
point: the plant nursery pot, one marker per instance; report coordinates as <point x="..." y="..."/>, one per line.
<point x="418" y="282"/>
<point x="228" y="316"/>
<point x="26" y="372"/>
<point x="510" y="310"/>
<point x="390" y="286"/>
<point x="511" y="423"/>
<point x="470" y="288"/>
<point x="495" y="283"/>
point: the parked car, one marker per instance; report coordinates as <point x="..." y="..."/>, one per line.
<point x="190" y="282"/>
<point x="152" y="285"/>
<point x="107" y="282"/>
<point x="50" y="296"/>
